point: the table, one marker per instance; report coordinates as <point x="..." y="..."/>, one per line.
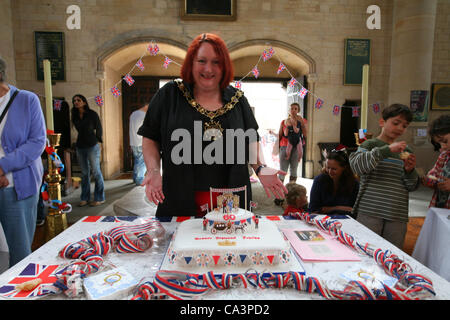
<point x="145" y="265"/>
<point x="432" y="246"/>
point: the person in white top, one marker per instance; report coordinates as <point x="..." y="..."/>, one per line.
<point x="139" y="168"/>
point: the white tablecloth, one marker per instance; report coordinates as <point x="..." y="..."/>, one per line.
<point x="433" y="245"/>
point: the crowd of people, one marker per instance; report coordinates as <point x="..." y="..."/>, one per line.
<point x="371" y="185"/>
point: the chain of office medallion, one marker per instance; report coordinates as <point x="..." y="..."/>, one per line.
<point x="210" y="114"/>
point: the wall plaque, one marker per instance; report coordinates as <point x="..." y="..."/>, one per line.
<point x="50" y="45"/>
<point x="357" y="54"/>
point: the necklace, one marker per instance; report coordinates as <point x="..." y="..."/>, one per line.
<point x="212" y="129"/>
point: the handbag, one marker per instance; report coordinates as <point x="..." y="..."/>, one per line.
<point x="7" y="106"/>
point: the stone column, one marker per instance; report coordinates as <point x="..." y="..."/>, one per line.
<point x="411" y="64"/>
<point x="309" y="163"/>
<point x="6" y="40"/>
<point x="412" y="48"/>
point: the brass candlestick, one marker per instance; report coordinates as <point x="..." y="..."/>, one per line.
<point x="56" y="221"/>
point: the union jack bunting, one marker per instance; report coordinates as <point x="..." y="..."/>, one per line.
<point x="167" y="61"/>
<point x="57" y="104"/>
<point x="140" y="65"/>
<point x="153" y="49"/>
<point x="129" y="79"/>
<point x="376" y="107"/>
<point x="99" y="100"/>
<point x="355" y="112"/>
<point x="281" y="67"/>
<point x="336" y="109"/>
<point x="255" y="72"/>
<point x="115" y="91"/>
<point x="292" y="82"/>
<point x="31" y="272"/>
<point x="302" y="93"/>
<point x="238" y="85"/>
<point x="267" y="54"/>
<point x="319" y="103"/>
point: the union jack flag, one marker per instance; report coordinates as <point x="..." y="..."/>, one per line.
<point x="336" y="109"/>
<point x="281" y="67"/>
<point x="238" y="85"/>
<point x="253" y="204"/>
<point x="32" y="271"/>
<point x="302" y="93"/>
<point x="376" y="107"/>
<point x="57" y="104"/>
<point x="167" y="61"/>
<point x="204" y="207"/>
<point x="255" y="72"/>
<point x="140" y="65"/>
<point x="292" y="82"/>
<point x="115" y="91"/>
<point x="319" y="103"/>
<point x="266" y="55"/>
<point x="99" y="100"/>
<point x="153" y="49"/>
<point x="128" y="79"/>
<point x="355" y="112"/>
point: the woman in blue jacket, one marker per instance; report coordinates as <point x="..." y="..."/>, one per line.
<point x="23" y="137"/>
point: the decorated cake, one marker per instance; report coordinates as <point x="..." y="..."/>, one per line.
<point x="228" y="237"/>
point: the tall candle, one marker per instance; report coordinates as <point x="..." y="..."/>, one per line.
<point x="364" y="96"/>
<point x="48" y="94"/>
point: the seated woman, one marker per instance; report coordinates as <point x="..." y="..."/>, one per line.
<point x="335" y="190"/>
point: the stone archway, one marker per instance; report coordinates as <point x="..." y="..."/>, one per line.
<point x="116" y="59"/>
<point x="245" y="55"/>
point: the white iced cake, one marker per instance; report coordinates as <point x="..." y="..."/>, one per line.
<point x="236" y="238"/>
<point x="113" y="284"/>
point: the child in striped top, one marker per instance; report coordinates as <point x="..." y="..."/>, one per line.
<point x="438" y="177"/>
<point x="386" y="168"/>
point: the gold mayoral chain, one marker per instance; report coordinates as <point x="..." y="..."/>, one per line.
<point x="212" y="129"/>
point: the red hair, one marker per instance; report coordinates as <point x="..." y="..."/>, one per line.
<point x="222" y="52"/>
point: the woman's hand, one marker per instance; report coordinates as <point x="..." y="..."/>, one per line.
<point x="269" y="180"/>
<point x="153" y="187"/>
<point x="444" y="185"/>
<point x="3" y="182"/>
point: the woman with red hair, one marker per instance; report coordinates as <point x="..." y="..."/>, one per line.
<point x="204" y="133"/>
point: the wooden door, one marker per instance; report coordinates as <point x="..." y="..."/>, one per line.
<point x="134" y="97"/>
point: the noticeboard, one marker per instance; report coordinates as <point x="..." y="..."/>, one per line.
<point x="357" y="54"/>
<point x="50" y="45"/>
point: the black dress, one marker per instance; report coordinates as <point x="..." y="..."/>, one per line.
<point x="168" y="111"/>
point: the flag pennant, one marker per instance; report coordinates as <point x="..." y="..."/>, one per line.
<point x="319" y="103"/>
<point x="153" y="49"/>
<point x="355" y="112"/>
<point x="253" y="204"/>
<point x="115" y="91"/>
<point x="128" y="79"/>
<point x="99" y="100"/>
<point x="336" y="109"/>
<point x="302" y="93"/>
<point x="255" y="72"/>
<point x="204" y="207"/>
<point x="57" y="104"/>
<point x="281" y="67"/>
<point x="267" y="54"/>
<point x="376" y="107"/>
<point x="238" y="85"/>
<point x="167" y="61"/>
<point x="292" y="82"/>
<point x="140" y="65"/>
